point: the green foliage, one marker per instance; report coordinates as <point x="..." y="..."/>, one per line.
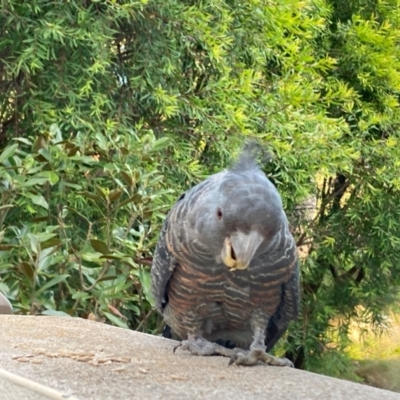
<point x="334" y="363"/>
<point x="109" y="110"/>
<point x="71" y="222"/>
<point x="354" y="235"/>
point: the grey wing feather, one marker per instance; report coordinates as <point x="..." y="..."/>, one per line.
<point x="163" y="266"/>
<point x="288" y="309"/>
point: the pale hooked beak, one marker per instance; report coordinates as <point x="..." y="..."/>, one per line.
<point x="239" y="249"/>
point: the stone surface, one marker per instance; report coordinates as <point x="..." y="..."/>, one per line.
<point x="90" y="360"/>
<point x="9" y="390"/>
<point x="15" y="387"/>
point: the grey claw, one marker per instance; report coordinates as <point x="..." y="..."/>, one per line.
<point x="176" y="347"/>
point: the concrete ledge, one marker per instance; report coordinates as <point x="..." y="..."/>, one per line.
<point x="14" y="387"/>
<point x="90" y="360"/>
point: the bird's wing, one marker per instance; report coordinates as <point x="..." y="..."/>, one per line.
<point x="163" y="265"/>
<point x="174" y="233"/>
<point x="288" y="309"/>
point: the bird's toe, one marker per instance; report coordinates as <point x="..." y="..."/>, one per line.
<point x="253" y="356"/>
<point x="199" y="346"/>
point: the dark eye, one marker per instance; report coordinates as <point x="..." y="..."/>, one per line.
<point x="219" y="213"/>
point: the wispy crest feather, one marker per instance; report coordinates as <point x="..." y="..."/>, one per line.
<point x="247" y="159"/>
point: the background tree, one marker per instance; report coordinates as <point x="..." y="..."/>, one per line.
<point x="351" y="272"/>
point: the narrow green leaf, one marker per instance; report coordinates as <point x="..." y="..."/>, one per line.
<point x="45" y="258"/>
<point x="160" y="144"/>
<point x="37" y="199"/>
<point x="27" y="269"/>
<point x="55" y="313"/>
<point x="34" y="242"/>
<point x="108" y="278"/>
<point x="40" y="143"/>
<point x="5" y="206"/>
<point x="8" y="152"/>
<point x="99" y="246"/>
<point x="33" y="182"/>
<point x="129" y="180"/>
<point x="44" y="155"/>
<point x="51" y="176"/>
<point x="50" y="243"/>
<point x="90" y="195"/>
<point x="100" y="191"/>
<point x="114" y="195"/>
<point x="92" y="257"/>
<point x="6" y="247"/>
<point x="137" y="199"/>
<point x="111" y="257"/>
<point x="52" y="282"/>
<point x="145" y="280"/>
<point x="56" y="134"/>
<point x="116" y="321"/>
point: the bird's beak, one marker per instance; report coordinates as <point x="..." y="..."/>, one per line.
<point x="239" y="249"/>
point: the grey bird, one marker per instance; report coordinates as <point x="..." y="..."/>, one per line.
<point x="225" y="273"/>
<point x="5" y="305"/>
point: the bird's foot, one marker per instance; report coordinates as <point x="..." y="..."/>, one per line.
<point x="252" y="357"/>
<point x="199" y="346"/>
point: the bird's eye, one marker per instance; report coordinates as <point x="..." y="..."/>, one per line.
<point x="219" y="213"/>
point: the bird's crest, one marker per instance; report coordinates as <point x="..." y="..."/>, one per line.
<point x="247" y="159"/>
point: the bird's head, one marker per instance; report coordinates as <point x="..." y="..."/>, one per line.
<point x="238" y="219"/>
